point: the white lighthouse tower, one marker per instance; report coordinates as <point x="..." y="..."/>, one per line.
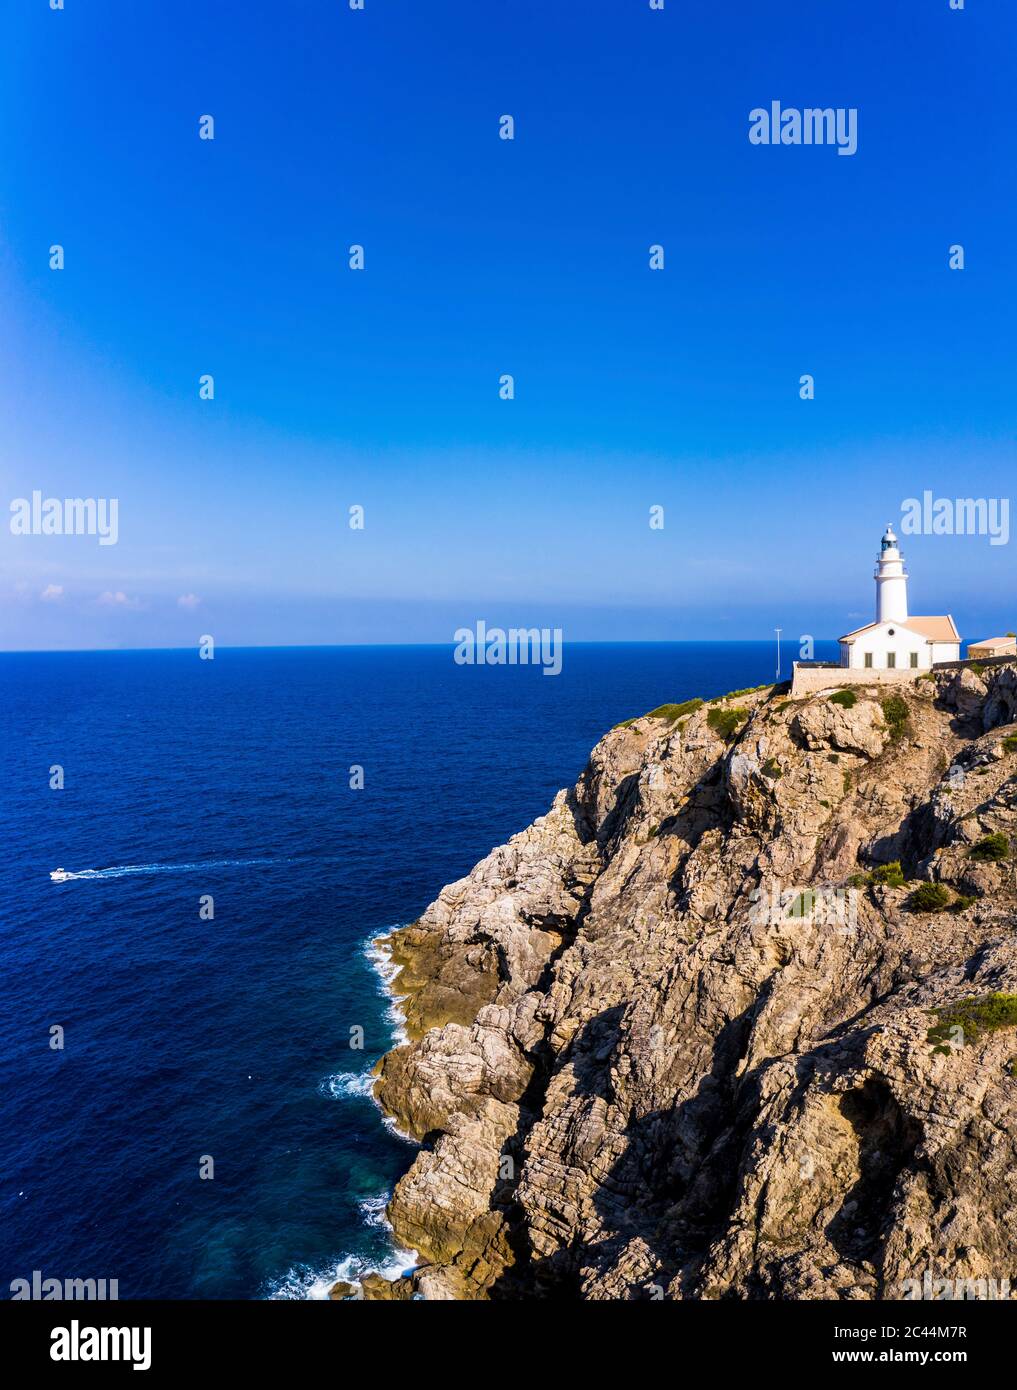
<point x="891" y="581"/>
<point x="898" y="641"/>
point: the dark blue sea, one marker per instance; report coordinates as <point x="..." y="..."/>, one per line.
<point x="230" y="1038"/>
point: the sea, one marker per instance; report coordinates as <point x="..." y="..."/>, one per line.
<point x="188" y="1020"/>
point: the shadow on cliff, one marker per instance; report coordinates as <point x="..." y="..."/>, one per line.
<point x="675" y="1185"/>
<point x="887" y="1140"/>
<point x="705" y="807"/>
<point x="663" y="1163"/>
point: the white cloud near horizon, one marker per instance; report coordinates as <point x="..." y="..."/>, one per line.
<point x="118" y="599"/>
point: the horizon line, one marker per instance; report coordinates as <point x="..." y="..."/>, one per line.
<point x="346" y="646"/>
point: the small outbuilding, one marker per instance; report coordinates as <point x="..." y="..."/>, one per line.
<point x="993" y="646"/>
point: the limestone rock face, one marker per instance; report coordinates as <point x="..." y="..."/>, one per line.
<point x="672" y="1040"/>
<point x="822" y="724"/>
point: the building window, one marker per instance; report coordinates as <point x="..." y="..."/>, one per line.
<point x="891" y="660"/>
<point x="868" y="658"/>
<point x="914" y="658"/>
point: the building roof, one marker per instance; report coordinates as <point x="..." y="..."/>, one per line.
<point x="994" y="642"/>
<point x="940" y="628"/>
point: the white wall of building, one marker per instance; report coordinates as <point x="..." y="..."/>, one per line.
<point x="886" y="639"/>
<point x="946" y="651"/>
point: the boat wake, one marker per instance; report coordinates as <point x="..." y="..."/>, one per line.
<point x="122" y="870"/>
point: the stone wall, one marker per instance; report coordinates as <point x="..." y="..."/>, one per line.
<point x="981" y="660"/>
<point x="808" y="679"/>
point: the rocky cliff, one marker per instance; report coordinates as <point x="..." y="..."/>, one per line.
<point x="701" y="1032"/>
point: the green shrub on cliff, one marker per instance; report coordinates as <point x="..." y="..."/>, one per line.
<point x="747" y="690"/>
<point x="673" y="712"/>
<point x="992" y="849"/>
<point x="974" y="1016"/>
<point x="726" y="721"/>
<point x="668" y="712"/>
<point x="1010" y="743"/>
<point x="895" y="712"/>
<point x="847" y="698"/>
<point x="892" y="875"/>
<point x="930" y="897"/>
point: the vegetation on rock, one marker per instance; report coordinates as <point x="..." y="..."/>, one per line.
<point x="895" y="712"/>
<point x="891" y="874"/>
<point x="992" y="849"/>
<point x="726" y="721"/>
<point x="746" y="690"/>
<point x="668" y="712"/>
<point x="930" y="897"/>
<point x="973" y="1016"/>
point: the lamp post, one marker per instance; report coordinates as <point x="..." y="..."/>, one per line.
<point x="778" y="632"/>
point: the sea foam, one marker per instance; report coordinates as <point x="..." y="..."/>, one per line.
<point x="379" y="956"/>
<point x="302" y="1282"/>
<point x="346" y="1084"/>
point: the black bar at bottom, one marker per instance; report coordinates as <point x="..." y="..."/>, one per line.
<point x="224" y="1338"/>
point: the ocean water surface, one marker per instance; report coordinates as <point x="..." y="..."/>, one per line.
<point x="230" y="1038"/>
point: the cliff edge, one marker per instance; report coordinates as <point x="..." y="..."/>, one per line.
<point x="734" y="1019"/>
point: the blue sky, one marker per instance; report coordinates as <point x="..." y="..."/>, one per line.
<point x="633" y="388"/>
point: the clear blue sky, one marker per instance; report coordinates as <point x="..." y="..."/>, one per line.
<point x="633" y="388"/>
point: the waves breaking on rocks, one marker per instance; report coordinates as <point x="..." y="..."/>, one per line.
<point x="304" y="1282"/>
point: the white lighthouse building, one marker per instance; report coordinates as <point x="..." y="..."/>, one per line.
<point x="896" y="640"/>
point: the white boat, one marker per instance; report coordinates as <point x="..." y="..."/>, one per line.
<point x="59" y="875"/>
